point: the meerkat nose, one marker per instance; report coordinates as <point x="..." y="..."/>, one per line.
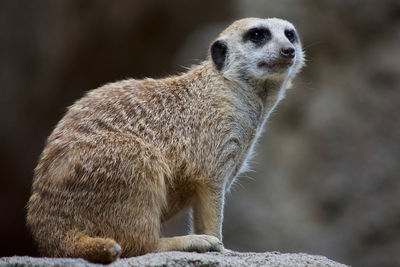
<point x="288" y="52"/>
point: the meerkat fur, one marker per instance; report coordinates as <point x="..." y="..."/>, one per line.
<point x="130" y="155"/>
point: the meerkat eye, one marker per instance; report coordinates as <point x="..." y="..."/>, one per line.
<point x="258" y="35"/>
<point x="291" y="35"/>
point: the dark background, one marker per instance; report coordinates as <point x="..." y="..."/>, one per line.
<point x="326" y="176"/>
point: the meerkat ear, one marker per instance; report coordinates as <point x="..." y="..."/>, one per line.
<point x="218" y="53"/>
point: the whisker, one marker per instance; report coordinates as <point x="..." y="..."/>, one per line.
<point x="314" y="44"/>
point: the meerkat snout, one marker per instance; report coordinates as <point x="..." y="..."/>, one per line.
<point x="288" y="52"/>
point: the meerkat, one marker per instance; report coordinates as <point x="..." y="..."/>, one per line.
<point x="130" y="155"/>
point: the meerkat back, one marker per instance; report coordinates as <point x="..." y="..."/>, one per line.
<point x="132" y="154"/>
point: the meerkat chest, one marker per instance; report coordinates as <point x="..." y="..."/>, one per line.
<point x="249" y="126"/>
<point x="243" y="154"/>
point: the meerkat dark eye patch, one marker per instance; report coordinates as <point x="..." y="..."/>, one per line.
<point x="258" y="36"/>
<point x="218" y="53"/>
<point x="291" y="35"/>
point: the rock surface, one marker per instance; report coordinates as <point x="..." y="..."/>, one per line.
<point x="186" y="259"/>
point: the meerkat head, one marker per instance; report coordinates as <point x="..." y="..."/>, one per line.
<point x="255" y="50"/>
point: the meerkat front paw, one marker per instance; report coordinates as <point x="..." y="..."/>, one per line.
<point x="203" y="243"/>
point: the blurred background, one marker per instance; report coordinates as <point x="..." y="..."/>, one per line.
<point x="326" y="178"/>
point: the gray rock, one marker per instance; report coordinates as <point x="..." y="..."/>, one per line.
<point x="186" y="259"/>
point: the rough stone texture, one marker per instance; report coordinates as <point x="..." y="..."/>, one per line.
<point x="186" y="259"/>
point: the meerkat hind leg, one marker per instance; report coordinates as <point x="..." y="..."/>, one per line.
<point x="198" y="243"/>
<point x="95" y="249"/>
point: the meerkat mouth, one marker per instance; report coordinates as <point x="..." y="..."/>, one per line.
<point x="276" y="65"/>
